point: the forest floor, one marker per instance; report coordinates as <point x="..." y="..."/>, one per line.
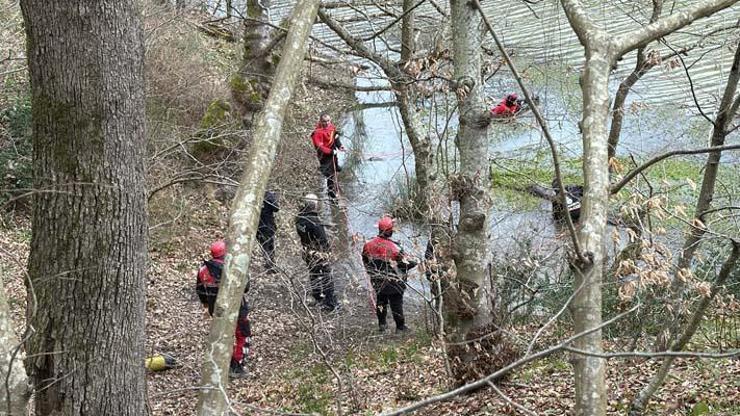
<point x="304" y="361"/>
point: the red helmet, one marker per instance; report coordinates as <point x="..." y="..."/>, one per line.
<point x="385" y="224"/>
<point x="218" y="249"/>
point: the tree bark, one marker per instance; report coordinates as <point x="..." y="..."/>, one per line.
<point x="407" y="32"/>
<point x="251" y="84"/>
<point x="468" y="298"/>
<point x="246" y="209"/>
<point x="14" y="388"/>
<point x="89" y="224"/>
<point x="589" y="371"/>
<point x="602" y="50"/>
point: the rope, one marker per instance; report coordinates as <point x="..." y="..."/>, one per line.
<point x="386" y="155"/>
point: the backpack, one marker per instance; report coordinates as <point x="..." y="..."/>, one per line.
<point x="207" y="288"/>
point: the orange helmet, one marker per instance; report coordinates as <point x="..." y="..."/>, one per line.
<point x="385" y="224"/>
<point x="218" y="249"/>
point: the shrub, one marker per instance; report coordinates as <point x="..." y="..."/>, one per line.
<point x="15" y="149"/>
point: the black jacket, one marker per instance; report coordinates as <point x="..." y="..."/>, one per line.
<point x="311" y="231"/>
<point x="267" y="215"/>
<point x="573" y="197"/>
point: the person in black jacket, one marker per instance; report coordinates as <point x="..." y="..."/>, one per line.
<point x="316" y="253"/>
<point x="573" y="196"/>
<point x="266" y="229"/>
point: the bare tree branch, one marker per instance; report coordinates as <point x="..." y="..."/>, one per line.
<point x="657" y="354"/>
<point x="396" y="20"/>
<point x="631" y="175"/>
<point x="511" y="402"/>
<point x="634" y="39"/>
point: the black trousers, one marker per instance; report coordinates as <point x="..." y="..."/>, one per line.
<point x="396" y="303"/>
<point x="331" y="186"/>
<point x="329" y="167"/>
<point x="266" y="238"/>
<point x="322" y="285"/>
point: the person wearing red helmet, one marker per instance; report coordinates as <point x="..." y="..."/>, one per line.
<point x="208" y="280"/>
<point x="508" y="107"/>
<point x="325" y="138"/>
<point x="389" y="282"/>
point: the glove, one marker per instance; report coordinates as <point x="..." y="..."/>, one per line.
<point x="407" y="264"/>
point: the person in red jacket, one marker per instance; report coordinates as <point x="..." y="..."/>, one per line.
<point x="209" y="278"/>
<point x="325" y="139"/>
<point x="508" y="107"/>
<point x="379" y="256"/>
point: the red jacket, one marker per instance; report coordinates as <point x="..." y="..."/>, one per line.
<point x="377" y="255"/>
<point x="504" y="110"/>
<point x="206" y="278"/>
<point x="381" y="249"/>
<point x="323" y="138"/>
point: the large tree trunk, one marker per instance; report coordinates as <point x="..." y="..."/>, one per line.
<point x="468" y="307"/>
<point x="89" y="224"/>
<point x="13" y="395"/>
<point x="246" y="210"/>
<point x="602" y="49"/>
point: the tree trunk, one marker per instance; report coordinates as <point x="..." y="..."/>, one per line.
<point x="407" y="32"/>
<point x="468" y="307"/>
<point x="586" y="307"/>
<point x="14" y="388"/>
<point x="251" y="85"/>
<point x="246" y="210"/>
<point x="89" y="224"/>
<point x="422" y="147"/>
<point x="589" y="371"/>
